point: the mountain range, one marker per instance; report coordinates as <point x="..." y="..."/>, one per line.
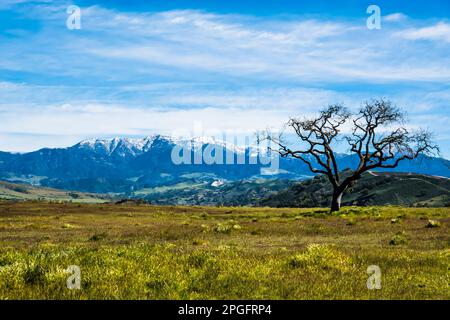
<point x="142" y="167"/>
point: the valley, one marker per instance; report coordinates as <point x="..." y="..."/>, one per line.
<point x="411" y="190"/>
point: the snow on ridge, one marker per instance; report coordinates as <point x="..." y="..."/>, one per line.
<point x="136" y="146"/>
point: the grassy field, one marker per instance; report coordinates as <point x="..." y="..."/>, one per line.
<point x="150" y="252"/>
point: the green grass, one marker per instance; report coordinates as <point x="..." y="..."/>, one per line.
<point x="174" y="252"/>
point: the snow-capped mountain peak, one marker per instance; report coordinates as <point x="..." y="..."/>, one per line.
<point x="136" y="146"/>
<point x="119" y="146"/>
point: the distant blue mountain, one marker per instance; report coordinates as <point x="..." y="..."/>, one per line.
<point x="124" y="165"/>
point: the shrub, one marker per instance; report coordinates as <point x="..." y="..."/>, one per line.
<point x="204" y="215"/>
<point x="98" y="236"/>
<point x="74" y="195"/>
<point x="433" y="224"/>
<point x="222" y="228"/>
<point x="398" y="239"/>
<point x="34" y="275"/>
<point x="226" y="227"/>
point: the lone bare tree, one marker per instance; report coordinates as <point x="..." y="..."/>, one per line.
<point x="377" y="135"/>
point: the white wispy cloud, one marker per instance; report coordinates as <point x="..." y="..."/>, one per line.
<point x="395" y="17"/>
<point x="437" y="32"/>
<point x="120" y="45"/>
<point x="134" y="73"/>
<point x="309" y="50"/>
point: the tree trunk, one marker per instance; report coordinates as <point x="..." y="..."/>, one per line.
<point x="336" y="200"/>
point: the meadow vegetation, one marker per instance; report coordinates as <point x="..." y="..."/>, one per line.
<point x="172" y="252"/>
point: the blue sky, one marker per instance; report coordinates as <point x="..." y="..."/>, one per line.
<point x="136" y="68"/>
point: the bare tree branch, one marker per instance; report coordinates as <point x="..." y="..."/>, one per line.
<point x="378" y="137"/>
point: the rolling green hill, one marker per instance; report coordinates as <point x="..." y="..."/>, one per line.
<point x="230" y="193"/>
<point x="372" y="189"/>
<point x="15" y="191"/>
